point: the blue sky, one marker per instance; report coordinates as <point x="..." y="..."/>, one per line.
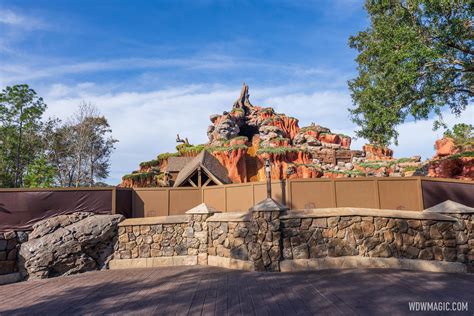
<point x="156" y="68"/>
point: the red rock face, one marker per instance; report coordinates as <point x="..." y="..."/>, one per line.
<point x="346" y="142"/>
<point x="234" y="161"/>
<point x="330" y="138"/>
<point x="458" y="168"/>
<point x="445" y="147"/>
<point x="281" y="163"/>
<point x="377" y="153"/>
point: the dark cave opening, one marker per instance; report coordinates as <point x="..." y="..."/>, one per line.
<point x="248" y="131"/>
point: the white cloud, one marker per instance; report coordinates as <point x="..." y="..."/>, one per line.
<point x="146" y="123"/>
<point x="14" y="19"/>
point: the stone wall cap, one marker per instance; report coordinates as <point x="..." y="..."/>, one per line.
<point x="230" y="217"/>
<point x="450" y="207"/>
<point x="268" y="205"/>
<point x="349" y="211"/>
<point x="202" y="208"/>
<point x="172" y="219"/>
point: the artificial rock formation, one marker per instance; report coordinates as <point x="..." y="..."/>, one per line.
<point x="452" y="160"/>
<point x="68" y="244"/>
<point x="247" y="135"/>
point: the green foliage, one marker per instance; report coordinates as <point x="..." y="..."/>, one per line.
<point x="415" y="59"/>
<point x="373" y="165"/>
<point x="140" y="176"/>
<point x="21" y="111"/>
<point x="165" y="156"/>
<point x="151" y="163"/>
<point x="192" y="149"/>
<point x="462" y="134"/>
<point x="278" y="150"/>
<point x="403" y="160"/>
<point x="226" y="148"/>
<point x="181" y="147"/>
<point x="40" y="174"/>
<point x="237" y="110"/>
<point x="465" y="154"/>
<point x="410" y="168"/>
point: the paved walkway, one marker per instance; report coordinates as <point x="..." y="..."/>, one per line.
<point x="215" y="291"/>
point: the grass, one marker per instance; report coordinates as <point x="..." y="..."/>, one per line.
<point x="461" y="155"/>
<point x="225" y="148"/>
<point x="373" y="165"/>
<point x="164" y="156"/>
<point x="410" y="168"/>
<point x="188" y="149"/>
<point x="139" y="176"/>
<point x="151" y="163"/>
<point x="278" y="150"/>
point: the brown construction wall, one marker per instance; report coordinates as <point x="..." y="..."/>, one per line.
<point x="381" y="193"/>
<point x="436" y="191"/>
<point x="123" y="202"/>
<point x="19" y="209"/>
<point x="411" y="193"/>
<point x="149" y="202"/>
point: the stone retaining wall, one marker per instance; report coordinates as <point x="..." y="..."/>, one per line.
<point x="167" y="236"/>
<point x="368" y="236"/>
<point x="9" y="246"/>
<point x="285" y="240"/>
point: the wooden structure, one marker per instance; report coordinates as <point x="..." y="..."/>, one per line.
<point x="405" y="193"/>
<point x="204" y="170"/>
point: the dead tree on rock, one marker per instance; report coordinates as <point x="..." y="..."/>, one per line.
<point x="243" y="101"/>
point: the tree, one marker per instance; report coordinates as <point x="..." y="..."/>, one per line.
<point x="80" y="149"/>
<point x="415" y="59"/>
<point x="40" y="174"/>
<point x="462" y="135"/>
<point x="21" y="111"/>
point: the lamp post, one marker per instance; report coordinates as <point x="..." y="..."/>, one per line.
<point x="269" y="178"/>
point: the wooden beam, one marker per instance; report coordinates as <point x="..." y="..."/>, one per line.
<point x="192" y="183"/>
<point x="207" y="182"/>
<point x="199" y="177"/>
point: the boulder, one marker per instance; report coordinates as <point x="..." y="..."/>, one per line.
<point x="445" y="147"/>
<point x="69" y="244"/>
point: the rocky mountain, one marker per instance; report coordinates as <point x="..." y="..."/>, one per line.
<point x="244" y="137"/>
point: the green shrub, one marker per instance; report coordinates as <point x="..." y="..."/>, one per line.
<point x="225" y="148"/>
<point x="140" y="176"/>
<point x="165" y="156"/>
<point x="278" y="150"/>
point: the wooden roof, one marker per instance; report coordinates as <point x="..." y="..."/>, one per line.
<point x="176" y="164"/>
<point x="209" y="164"/>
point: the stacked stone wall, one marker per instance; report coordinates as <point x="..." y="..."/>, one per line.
<point x="230" y="239"/>
<point x="264" y="240"/>
<point x="380" y="237"/>
<point x="182" y="236"/>
<point x="10" y="243"/>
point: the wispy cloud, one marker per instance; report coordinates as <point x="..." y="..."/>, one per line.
<point x="17" y="20"/>
<point x="146" y="123"/>
<point x="41" y="68"/>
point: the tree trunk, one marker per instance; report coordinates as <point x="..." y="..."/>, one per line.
<point x="92" y="166"/>
<point x="18" y="149"/>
